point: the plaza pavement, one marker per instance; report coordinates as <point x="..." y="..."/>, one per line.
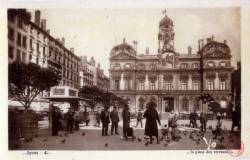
<point x="92" y="140"/>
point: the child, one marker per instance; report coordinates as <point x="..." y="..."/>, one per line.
<point x="218" y="130"/>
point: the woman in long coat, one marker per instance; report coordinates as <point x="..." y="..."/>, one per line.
<point x="152" y="117"/>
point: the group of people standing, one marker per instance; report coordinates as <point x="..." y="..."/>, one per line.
<point x="68" y="121"/>
<point x="193" y="117"/>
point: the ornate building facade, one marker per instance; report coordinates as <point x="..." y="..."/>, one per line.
<point x="168" y="78"/>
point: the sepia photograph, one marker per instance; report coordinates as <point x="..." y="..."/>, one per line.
<point x="124" y="79"/>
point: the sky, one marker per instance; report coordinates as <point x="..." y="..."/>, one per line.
<point x="94" y="32"/>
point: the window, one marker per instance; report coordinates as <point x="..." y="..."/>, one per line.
<point x="185" y="104"/>
<point x="167" y="85"/>
<point x="184" y="65"/>
<point x="184" y="85"/>
<point x="141" y="85"/>
<point x="24" y="42"/>
<point x="23" y="57"/>
<point x="11" y="52"/>
<point x="19" y="36"/>
<point x="195" y="84"/>
<point x="37" y="47"/>
<point x="44" y="51"/>
<point x="210" y="84"/>
<point x="196" y="104"/>
<point x="127" y="84"/>
<point x="152" y="86"/>
<point x="30" y="56"/>
<point x="18" y="56"/>
<point x="31" y="42"/>
<point x="222" y="64"/>
<point x="222" y="84"/>
<point x="195" y="65"/>
<point x="141" y="103"/>
<point x="19" y="23"/>
<point x="127" y="66"/>
<point x="211" y="64"/>
<point x="117" y="85"/>
<point x="11" y="34"/>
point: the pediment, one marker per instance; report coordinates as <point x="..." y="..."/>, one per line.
<point x="123" y="55"/>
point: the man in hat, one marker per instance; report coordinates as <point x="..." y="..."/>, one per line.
<point x="114" y="120"/>
<point x="105" y="121"/>
<point x="126" y="120"/>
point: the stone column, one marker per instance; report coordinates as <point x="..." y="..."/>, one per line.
<point x="122" y="82"/>
<point x="189" y="82"/>
<point x="146" y="83"/>
<point x="216" y="81"/>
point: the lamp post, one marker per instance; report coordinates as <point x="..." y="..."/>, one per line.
<point x="201" y="74"/>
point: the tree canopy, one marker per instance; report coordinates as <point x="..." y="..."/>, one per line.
<point x="27" y="81"/>
<point x="99" y="96"/>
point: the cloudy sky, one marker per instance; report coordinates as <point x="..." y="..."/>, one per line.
<point x="93" y="32"/>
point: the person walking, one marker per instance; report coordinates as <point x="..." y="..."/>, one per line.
<point x="126" y="121"/>
<point x="235" y="119"/>
<point x="105" y="121"/>
<point x="70" y="120"/>
<point x="203" y="121"/>
<point x="152" y="117"/>
<point x="86" y="116"/>
<point x="139" y="119"/>
<point x="114" y="120"/>
<point x="76" y="119"/>
<point x="56" y="121"/>
<point x="193" y="117"/>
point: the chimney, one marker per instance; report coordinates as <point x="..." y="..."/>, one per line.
<point x="72" y="50"/>
<point x="135" y="45"/>
<point x="43" y="24"/>
<point x="63" y="41"/>
<point x="37" y="17"/>
<point x="92" y="61"/>
<point x="147" y="51"/>
<point x="225" y="41"/>
<point x="208" y="40"/>
<point x="48" y="31"/>
<point x="189" y="50"/>
<point x="199" y="44"/>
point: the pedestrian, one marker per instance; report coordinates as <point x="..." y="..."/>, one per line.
<point x="174" y="131"/>
<point x="86" y="116"/>
<point x="76" y="120"/>
<point x="56" y="121"/>
<point x="98" y="119"/>
<point x="105" y="121"/>
<point x="218" y="131"/>
<point x="235" y="119"/>
<point x="70" y="120"/>
<point x="193" y="117"/>
<point x="114" y="120"/>
<point x="139" y="118"/>
<point x="152" y="117"/>
<point x="203" y="121"/>
<point x="126" y="121"/>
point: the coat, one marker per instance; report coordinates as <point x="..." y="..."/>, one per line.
<point x="114" y="116"/>
<point x="126" y="118"/>
<point x="105" y="117"/>
<point x="151" y="128"/>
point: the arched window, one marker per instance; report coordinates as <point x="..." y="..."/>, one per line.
<point x="117" y="66"/>
<point x="127" y="66"/>
<point x="210" y="64"/>
<point x="185" y="104"/>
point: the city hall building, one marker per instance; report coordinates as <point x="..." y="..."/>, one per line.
<point x="170" y="79"/>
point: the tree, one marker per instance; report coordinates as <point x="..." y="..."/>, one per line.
<point x="96" y="95"/>
<point x="27" y="81"/>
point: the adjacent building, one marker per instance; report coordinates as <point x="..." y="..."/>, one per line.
<point x="31" y="42"/>
<point x="92" y="75"/>
<point x="168" y="78"/>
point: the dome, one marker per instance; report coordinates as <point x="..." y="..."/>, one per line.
<point x="216" y="49"/>
<point x="165" y="21"/>
<point x="124" y="47"/>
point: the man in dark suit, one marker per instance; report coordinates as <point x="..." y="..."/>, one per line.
<point x="70" y="120"/>
<point x="105" y="121"/>
<point x="203" y="121"/>
<point x="114" y="119"/>
<point x="126" y="121"/>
